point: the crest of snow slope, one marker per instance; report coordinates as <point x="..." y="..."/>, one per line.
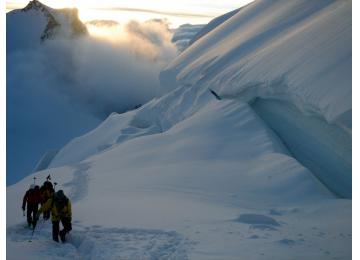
<point x="28" y="27"/>
<point x="295" y="52"/>
<point x="212" y="24"/>
<point x="305" y="44"/>
<point x="184" y="34"/>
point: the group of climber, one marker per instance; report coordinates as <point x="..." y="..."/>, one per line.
<point x="51" y="202"/>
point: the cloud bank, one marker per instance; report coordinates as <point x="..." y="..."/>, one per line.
<point x="64" y="88"/>
<point x="116" y="73"/>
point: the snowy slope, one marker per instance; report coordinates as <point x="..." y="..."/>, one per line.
<point x="268" y="43"/>
<point x="272" y="61"/>
<point x="297" y="52"/>
<point x="212" y="24"/>
<point x="219" y="181"/>
<point x="187" y="176"/>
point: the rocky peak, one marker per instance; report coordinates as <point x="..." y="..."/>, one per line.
<point x="34" y="5"/>
<point x="53" y="25"/>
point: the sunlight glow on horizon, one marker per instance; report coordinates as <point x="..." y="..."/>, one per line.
<point x="177" y="13"/>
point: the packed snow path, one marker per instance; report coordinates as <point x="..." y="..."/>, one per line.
<point x="79" y="183"/>
<point x="276" y="233"/>
<point x="97" y="242"/>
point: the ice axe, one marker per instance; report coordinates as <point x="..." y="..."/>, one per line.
<point x="55" y="183"/>
<point x="34" y="179"/>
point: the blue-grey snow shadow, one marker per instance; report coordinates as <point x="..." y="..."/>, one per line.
<point x="258" y="221"/>
<point x="79" y="183"/>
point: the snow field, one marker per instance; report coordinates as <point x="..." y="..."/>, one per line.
<point x="96" y="242"/>
<point x="200" y="178"/>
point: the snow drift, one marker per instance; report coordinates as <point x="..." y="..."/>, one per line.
<point x="261" y="51"/>
<point x="296" y="51"/>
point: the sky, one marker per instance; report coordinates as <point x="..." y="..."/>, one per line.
<point x="176" y="12"/>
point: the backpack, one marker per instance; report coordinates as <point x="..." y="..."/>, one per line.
<point x="60" y="204"/>
<point x="60" y="201"/>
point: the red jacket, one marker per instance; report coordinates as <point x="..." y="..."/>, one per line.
<point x="32" y="197"/>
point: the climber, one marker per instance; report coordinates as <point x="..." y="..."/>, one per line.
<point x="60" y="207"/>
<point x="32" y="199"/>
<point x="47" y="192"/>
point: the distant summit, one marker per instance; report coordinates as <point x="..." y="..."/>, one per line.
<point x="52" y="24"/>
<point x="37" y="5"/>
<point x="103" y="23"/>
<point x="37" y="22"/>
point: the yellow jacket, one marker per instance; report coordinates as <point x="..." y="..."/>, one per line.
<point x="56" y="215"/>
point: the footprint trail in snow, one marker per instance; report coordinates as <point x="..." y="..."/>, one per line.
<point x="97" y="242"/>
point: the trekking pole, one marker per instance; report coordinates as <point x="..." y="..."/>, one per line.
<point x="34" y="179"/>
<point x="55" y="183"/>
<point x="33" y="231"/>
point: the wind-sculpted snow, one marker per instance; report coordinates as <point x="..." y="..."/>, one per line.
<point x="303" y="45"/>
<point x="298" y="52"/>
<point x="155" y="117"/>
<point x="310" y="88"/>
<point x="211" y="25"/>
<point x="184" y="35"/>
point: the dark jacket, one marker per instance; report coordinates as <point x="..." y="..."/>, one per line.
<point x="31" y="197"/>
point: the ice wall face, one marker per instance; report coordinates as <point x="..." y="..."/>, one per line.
<point x="297" y="52"/>
<point x="323" y="148"/>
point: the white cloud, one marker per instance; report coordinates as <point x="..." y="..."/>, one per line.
<point x="64" y="88"/>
